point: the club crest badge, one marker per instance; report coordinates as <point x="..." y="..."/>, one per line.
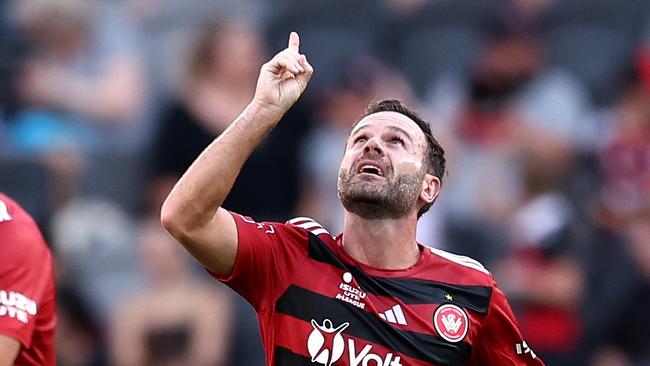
<point x="451" y="322"/>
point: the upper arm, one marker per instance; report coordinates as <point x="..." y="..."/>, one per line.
<point x="9" y="348"/>
<point x="267" y="255"/>
<point x="214" y="243"/>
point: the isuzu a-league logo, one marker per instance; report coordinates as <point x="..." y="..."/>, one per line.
<point x="350" y="293"/>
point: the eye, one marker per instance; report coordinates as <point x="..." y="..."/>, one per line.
<point x="396" y="140"/>
<point x="361" y="138"/>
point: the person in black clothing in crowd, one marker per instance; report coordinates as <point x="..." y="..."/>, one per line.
<point x="221" y="73"/>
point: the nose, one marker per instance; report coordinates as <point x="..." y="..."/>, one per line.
<point x="372" y="146"/>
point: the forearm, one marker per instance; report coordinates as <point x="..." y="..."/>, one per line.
<point x="205" y="185"/>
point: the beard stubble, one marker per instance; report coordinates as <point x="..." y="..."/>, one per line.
<point x="391" y="198"/>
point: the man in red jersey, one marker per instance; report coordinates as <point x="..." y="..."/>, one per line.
<point x="27" y="290"/>
<point x="369" y="296"/>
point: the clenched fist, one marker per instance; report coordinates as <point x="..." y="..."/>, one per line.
<point x="283" y="79"/>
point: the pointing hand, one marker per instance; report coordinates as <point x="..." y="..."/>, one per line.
<point x="284" y="78"/>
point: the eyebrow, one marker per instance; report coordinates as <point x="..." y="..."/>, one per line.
<point x="393" y="128"/>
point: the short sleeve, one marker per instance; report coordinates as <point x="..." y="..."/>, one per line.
<point x="500" y="342"/>
<point x="268" y="253"/>
<point x="25" y="272"/>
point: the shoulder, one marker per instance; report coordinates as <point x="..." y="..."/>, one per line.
<point x="297" y="230"/>
<point x="462" y="268"/>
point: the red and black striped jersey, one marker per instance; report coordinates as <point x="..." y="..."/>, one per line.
<point x="318" y="306"/>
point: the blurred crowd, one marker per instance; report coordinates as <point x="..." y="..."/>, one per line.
<point x="543" y="108"/>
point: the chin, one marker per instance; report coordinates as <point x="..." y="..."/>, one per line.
<point x="367" y="186"/>
<point x="369" y="205"/>
<point x="374" y="211"/>
<point x="367" y="193"/>
<point x="368" y="199"/>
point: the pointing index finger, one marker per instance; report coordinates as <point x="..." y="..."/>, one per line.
<point x="294" y="41"/>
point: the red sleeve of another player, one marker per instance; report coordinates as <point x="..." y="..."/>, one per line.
<point x="500" y="342"/>
<point x="267" y="252"/>
<point x="24" y="275"/>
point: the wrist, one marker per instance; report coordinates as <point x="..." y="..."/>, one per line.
<point x="266" y="111"/>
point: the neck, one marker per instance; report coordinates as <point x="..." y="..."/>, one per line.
<point x="386" y="244"/>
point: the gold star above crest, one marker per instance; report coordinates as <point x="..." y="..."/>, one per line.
<point x="449" y="297"/>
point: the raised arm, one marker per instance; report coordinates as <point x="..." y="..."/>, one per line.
<point x="192" y="212"/>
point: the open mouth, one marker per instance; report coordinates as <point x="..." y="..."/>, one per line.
<point x="371" y="169"/>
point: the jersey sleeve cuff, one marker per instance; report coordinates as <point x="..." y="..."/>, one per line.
<point x="235" y="268"/>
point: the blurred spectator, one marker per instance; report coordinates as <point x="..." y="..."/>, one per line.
<point x="94" y="243"/>
<point x="79" y="337"/>
<point x="82" y="95"/>
<point x="614" y="311"/>
<point x="168" y="27"/>
<point x="221" y="73"/>
<point x="83" y="85"/>
<point x="178" y="320"/>
<point x="512" y="103"/>
<point x="506" y="91"/>
<point x="542" y="272"/>
<point x="624" y="208"/>
<point x="611" y="282"/>
<point x="626" y="153"/>
<point x="631" y="334"/>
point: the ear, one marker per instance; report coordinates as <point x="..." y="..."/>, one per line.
<point x="430" y="188"/>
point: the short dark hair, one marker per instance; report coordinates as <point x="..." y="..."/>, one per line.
<point x="435" y="154"/>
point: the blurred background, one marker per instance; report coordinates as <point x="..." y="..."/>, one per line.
<point x="543" y="107"/>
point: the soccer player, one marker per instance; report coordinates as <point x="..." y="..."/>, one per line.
<point x="369" y="296"/>
<point x="27" y="290"/>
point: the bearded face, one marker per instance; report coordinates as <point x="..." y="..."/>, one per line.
<point x="371" y="189"/>
<point x="383" y="172"/>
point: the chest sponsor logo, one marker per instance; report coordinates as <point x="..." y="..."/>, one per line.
<point x="16" y="306"/>
<point x="350" y="293"/>
<point x="451" y="322"/>
<point x="326" y="345"/>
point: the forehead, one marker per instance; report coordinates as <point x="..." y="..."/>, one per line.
<point x="387" y="120"/>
